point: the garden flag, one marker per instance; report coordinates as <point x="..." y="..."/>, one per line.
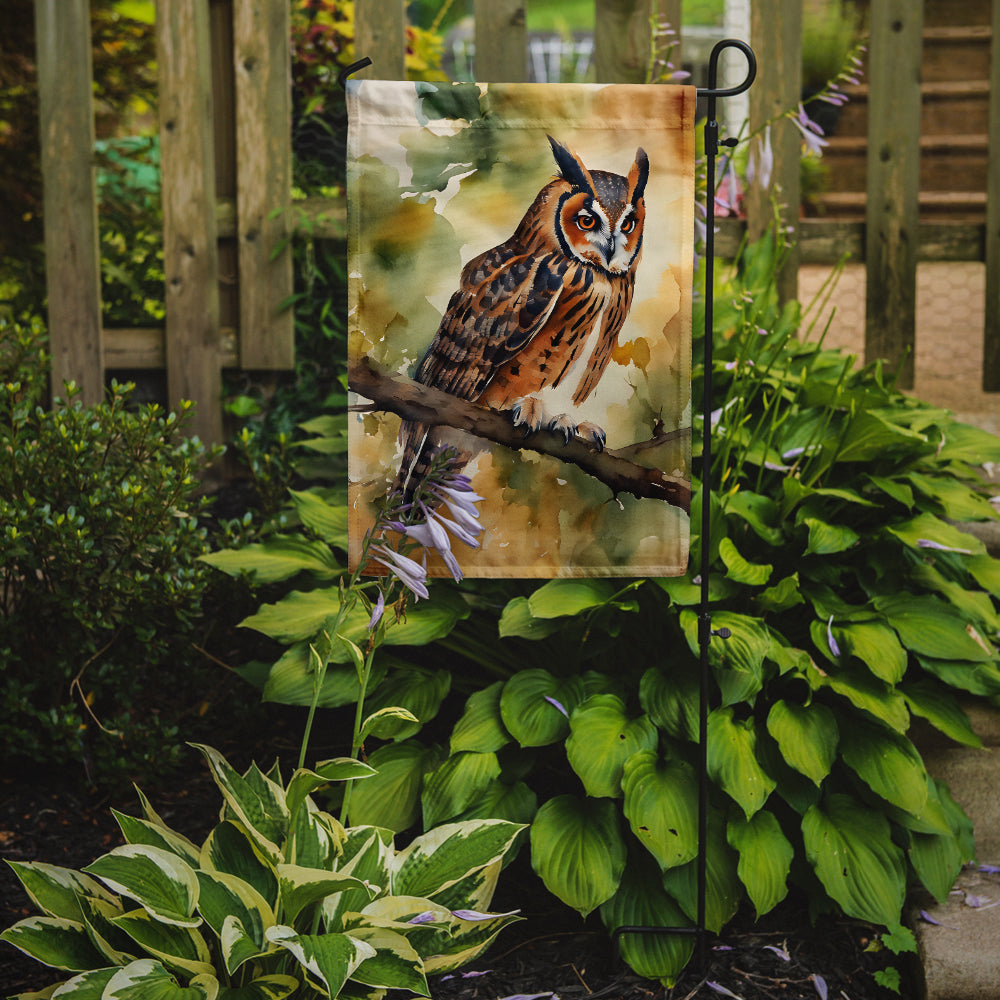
<point x="520" y="274"/>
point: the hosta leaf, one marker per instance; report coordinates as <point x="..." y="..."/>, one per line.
<point x="578" y="851"/>
<point x="928" y="528"/>
<point x="390" y="723"/>
<point x="671" y="699"/>
<point x="888" y="763"/>
<point x="932" y="628"/>
<point x="260" y="809"/>
<point x="738" y="661"/>
<point x="807" y="736"/>
<point x="279" y="558"/>
<point x="850" y="848"/>
<point x="765" y="858"/>
<point x="147" y="979"/>
<point x="456" y="784"/>
<point x="732" y="760"/>
<point x="739" y="569"/>
<point x="98" y="916"/>
<point x="54" y="941"/>
<point x="602" y="738"/>
<point x="976" y="678"/>
<point x="86" y="986"/>
<point x="559" y="598"/>
<point x="304" y="782"/>
<point x="641" y="901"/>
<point x="941" y="709"/>
<point x="56" y="891"/>
<point x="417" y="690"/>
<point x="516" y="803"/>
<point x="481" y="727"/>
<point x="985" y="569"/>
<point x="758" y="511"/>
<point x="142" y="831"/>
<point x="530" y="706"/>
<point x="441" y="857"/>
<point x="159" y="881"/>
<point x="876" y="646"/>
<point x="870" y="435"/>
<point x="828" y="539"/>
<point x="367" y="853"/>
<point x="327" y="520"/>
<point x="395" y="964"/>
<point x="937" y="860"/>
<point x="517" y="620"/>
<point x="723" y="889"/>
<point x="301" y="887"/>
<point x="391" y="798"/>
<point x="957" y="501"/>
<point x="466" y="941"/>
<point x="273" y="987"/>
<point x="783" y="595"/>
<point x="291" y="680"/>
<point x="330" y="959"/>
<point x="225" y="897"/>
<point x="180" y="948"/>
<point x="230" y="849"/>
<point x="661" y="798"/>
<point x="866" y="692"/>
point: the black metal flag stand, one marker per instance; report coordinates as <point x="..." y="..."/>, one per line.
<point x="705" y="631"/>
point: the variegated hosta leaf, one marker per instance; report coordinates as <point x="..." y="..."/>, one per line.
<point x="328" y="959"/>
<point x="230" y="849"/>
<point x="661" y="799"/>
<point x="395" y="964"/>
<point x="256" y="801"/>
<point x="147" y="979"/>
<point x="468" y="939"/>
<point x="367" y="853"/>
<point x="602" y="737"/>
<point x="475" y="891"/>
<point x="807" y="736"/>
<point x="732" y="760"/>
<point x="300" y="887"/>
<point x="56" y="891"/>
<point x="578" y="851"/>
<point x="315" y="838"/>
<point x="225" y="897"/>
<point x="158" y="880"/>
<point x="765" y="858"/>
<point x="516" y="803"/>
<point x="456" y="784"/>
<point x="274" y="987"/>
<point x="441" y="857"/>
<point x="304" y="782"/>
<point x="116" y="946"/>
<point x="642" y="902"/>
<point x="141" y="831"/>
<point x="86" y="986"/>
<point x="54" y="941"/>
<point x="851" y="849"/>
<point x="481" y="727"/>
<point x="177" y="947"/>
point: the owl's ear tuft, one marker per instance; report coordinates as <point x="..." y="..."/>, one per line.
<point x="571" y="166"/>
<point x="638" y="176"/>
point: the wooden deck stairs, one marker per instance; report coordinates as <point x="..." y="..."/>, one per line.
<point x="955" y="90"/>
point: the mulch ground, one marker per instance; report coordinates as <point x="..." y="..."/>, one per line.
<point x="552" y="953"/>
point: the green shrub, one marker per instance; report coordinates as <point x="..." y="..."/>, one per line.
<point x="101" y="584"/>
<point x="854" y="605"/>
<point x="280" y="899"/>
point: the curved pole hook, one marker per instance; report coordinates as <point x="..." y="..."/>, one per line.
<point x="354" y="67"/>
<point x="712" y="91"/>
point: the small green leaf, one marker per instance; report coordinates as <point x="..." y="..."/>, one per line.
<point x="732" y="760"/>
<point x="456" y="784"/>
<point x="535" y="706"/>
<point x="279" y="558"/>
<point x="888" y="763"/>
<point x="391" y="798"/>
<point x="807" y="736"/>
<point x="560" y="598"/>
<point x="517" y="620"/>
<point x="481" y="727"/>
<point x="932" y="628"/>
<point x="936" y="704"/>
<point x="671" y="699"/>
<point x="739" y="569"/>
<point x="828" y="539"/>
<point x="327" y="520"/>
<point x="578" y="851"/>
<point x="765" y="858"/>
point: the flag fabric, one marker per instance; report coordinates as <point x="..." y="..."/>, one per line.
<point x="520" y="292"/>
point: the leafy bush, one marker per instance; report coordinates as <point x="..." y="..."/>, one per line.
<point x="279" y="899"/>
<point x="854" y="605"/>
<point x="99" y="540"/>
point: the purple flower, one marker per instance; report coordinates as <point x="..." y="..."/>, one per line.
<point x="558" y="705"/>
<point x="831" y="642"/>
<point x="927" y="543"/>
<point x="377" y="611"/>
<point x="820" y="983"/>
<point x="427" y="917"/>
<point x="475" y="915"/>
<point x="719" y="988"/>
<point x="410" y="573"/>
<point x="761" y="163"/>
<point x="811" y="132"/>
<point x="780" y="952"/>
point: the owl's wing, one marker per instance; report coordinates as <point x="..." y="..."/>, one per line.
<point x="504" y="299"/>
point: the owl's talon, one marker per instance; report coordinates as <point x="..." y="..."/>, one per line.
<point x="592" y="434"/>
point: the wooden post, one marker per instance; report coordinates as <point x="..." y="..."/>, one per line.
<point x="380" y="34"/>
<point x="776" y="35"/>
<point x="893" y="183"/>
<point x="190" y="254"/>
<point x="622" y="40"/>
<point x="991" y="333"/>
<point x="262" y="60"/>
<point x="501" y="41"/>
<point x="72" y="255"/>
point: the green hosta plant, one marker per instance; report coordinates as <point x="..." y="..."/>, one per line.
<point x="280" y="899"/>
<point x="855" y="605"/>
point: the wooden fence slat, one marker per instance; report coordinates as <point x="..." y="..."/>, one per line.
<point x="991" y="331"/>
<point x="622" y="40"/>
<point x="892" y="215"/>
<point x="190" y="253"/>
<point x="501" y="41"/>
<point x="776" y="36"/>
<point x="261" y="57"/>
<point x="380" y="34"/>
<point x="72" y="256"/>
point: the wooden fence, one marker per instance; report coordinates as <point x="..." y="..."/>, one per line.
<point x="226" y="161"/>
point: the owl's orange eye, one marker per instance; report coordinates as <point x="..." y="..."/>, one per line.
<point x="586" y="221"/>
<point x="627" y="226"/>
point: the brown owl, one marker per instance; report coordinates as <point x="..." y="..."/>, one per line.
<point x="533" y="324"/>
